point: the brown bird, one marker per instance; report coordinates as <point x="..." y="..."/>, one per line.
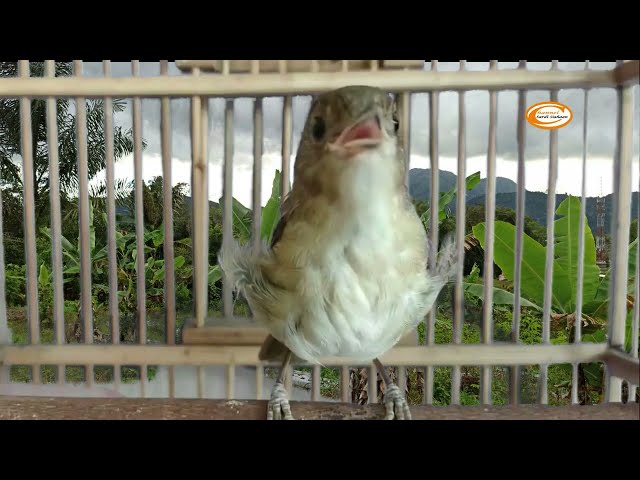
<point x="345" y="274"/>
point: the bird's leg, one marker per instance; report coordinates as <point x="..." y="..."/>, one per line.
<point x="279" y="408"/>
<point x="394" y="400"/>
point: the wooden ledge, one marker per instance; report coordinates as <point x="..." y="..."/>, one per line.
<point x="291" y="66"/>
<point x="245" y="333"/>
<point x="48" y="408"/>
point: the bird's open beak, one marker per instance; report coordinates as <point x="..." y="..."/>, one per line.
<point x="366" y="133"/>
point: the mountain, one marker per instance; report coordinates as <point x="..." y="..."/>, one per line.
<point x="188" y="200"/>
<point x="420" y="184"/>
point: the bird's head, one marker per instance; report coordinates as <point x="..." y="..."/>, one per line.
<point x="351" y="128"/>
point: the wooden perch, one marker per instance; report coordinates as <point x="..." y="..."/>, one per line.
<point x="48" y="408"/>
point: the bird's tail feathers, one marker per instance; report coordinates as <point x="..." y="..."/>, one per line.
<point x="239" y="263"/>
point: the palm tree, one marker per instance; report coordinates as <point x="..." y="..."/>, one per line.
<point x="68" y="167"/>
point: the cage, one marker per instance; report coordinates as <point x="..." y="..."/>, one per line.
<point x="89" y="329"/>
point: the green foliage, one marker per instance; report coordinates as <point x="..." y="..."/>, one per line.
<point x="269" y="218"/>
<point x="566" y="232"/>
<point x="500" y="296"/>
<point x="533" y="264"/>
<point x="565" y="271"/>
<point x="15" y="282"/>
<point x="565" y="265"/>
<point x="446" y="198"/>
<point x="243" y="216"/>
<point x="600" y="300"/>
<point x="45" y="295"/>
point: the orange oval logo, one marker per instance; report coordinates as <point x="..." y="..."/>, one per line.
<point x="549" y="115"/>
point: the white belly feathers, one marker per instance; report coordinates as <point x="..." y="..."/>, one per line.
<point x="368" y="282"/>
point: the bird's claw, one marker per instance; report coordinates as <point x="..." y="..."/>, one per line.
<point x="278" y="407"/>
<point x="395" y="404"/>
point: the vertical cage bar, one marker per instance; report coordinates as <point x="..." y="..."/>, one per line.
<point x="345" y="374"/>
<point x="514" y="380"/>
<point x="577" y="324"/>
<point x="199" y="189"/>
<point x="433" y="227"/>
<point x="543" y="387"/>
<point x="259" y="382"/>
<point x="227" y="225"/>
<point x="56" y="218"/>
<point x="200" y="381"/>
<point x="403" y="102"/>
<point x="610" y="383"/>
<point x="373" y="384"/>
<point x="258" y="146"/>
<point x="620" y="235"/>
<point x="231" y="381"/>
<point x="635" y="320"/>
<point x="204" y="219"/>
<point x="5" y="334"/>
<point x="287" y="139"/>
<point x="167" y="205"/>
<point x="315" y="383"/>
<point x="114" y="313"/>
<point x="458" y="305"/>
<point x="490" y="209"/>
<point x="227" y="222"/>
<point x="258" y="141"/>
<point x="139" y="207"/>
<point x="83" y="210"/>
<point x="28" y="150"/>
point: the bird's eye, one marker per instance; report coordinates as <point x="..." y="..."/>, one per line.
<point x="319" y="129"/>
<point x="396" y="123"/>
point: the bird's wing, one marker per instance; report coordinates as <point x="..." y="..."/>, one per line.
<point x="288" y="207"/>
<point x="273" y="349"/>
<point x="279" y="230"/>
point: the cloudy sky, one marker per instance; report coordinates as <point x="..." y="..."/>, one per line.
<point x="600" y="145"/>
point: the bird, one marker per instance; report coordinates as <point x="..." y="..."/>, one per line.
<point x="345" y="273"/>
